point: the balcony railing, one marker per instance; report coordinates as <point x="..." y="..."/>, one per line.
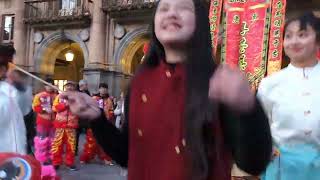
<point x="38" y="11"/>
<point x="120" y="5"/>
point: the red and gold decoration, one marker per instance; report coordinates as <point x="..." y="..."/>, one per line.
<point x="64" y="136"/>
<point x="276" y="36"/>
<point x="232" y="25"/>
<point x="252" y="36"/>
<point x="215" y="18"/>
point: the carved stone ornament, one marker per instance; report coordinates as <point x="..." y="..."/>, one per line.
<point x="119" y="31"/>
<point x="38" y="37"/>
<point x="84" y="35"/>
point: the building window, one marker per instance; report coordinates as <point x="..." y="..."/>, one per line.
<point x="60" y="84"/>
<point x="69" y="7"/>
<point x="69" y="4"/>
<point x="7" y="28"/>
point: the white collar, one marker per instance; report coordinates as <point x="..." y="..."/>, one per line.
<point x="305" y="72"/>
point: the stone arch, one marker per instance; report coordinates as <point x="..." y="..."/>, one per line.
<point x="128" y="46"/>
<point x="51" y="42"/>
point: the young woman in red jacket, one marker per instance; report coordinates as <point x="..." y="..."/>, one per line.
<point x="186" y="117"/>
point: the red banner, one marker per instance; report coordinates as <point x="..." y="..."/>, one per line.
<point x="232" y="26"/>
<point x="276" y="36"/>
<point x="246" y="24"/>
<point x="254" y="40"/>
<point x="215" y="18"/>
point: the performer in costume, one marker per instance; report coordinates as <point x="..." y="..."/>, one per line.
<point x="186" y="118"/>
<point x="91" y="148"/>
<point x="291" y="99"/>
<point x="13" y="130"/>
<point x="42" y="105"/>
<point x="66" y="124"/>
<point x="105" y="102"/>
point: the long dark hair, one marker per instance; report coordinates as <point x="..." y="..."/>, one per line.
<point x="199" y="68"/>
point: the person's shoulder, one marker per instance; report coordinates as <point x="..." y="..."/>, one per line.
<point x="269" y="83"/>
<point x="275" y="78"/>
<point x="8" y="89"/>
<point x="4" y="100"/>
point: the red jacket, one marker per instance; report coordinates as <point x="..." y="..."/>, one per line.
<point x="155" y="131"/>
<point x="64" y="117"/>
<point x="156" y="139"/>
<point x="107" y="106"/>
<point x="41" y="102"/>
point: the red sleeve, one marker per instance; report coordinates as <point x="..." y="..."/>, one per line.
<point x="60" y="107"/>
<point x="37" y="109"/>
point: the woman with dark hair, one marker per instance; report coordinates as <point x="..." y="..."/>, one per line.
<point x="173" y="130"/>
<point x="291" y="99"/>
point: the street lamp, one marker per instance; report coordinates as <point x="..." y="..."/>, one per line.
<point x="69" y="56"/>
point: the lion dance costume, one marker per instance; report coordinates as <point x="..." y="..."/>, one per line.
<point x="66" y="124"/>
<point x="42" y="105"/>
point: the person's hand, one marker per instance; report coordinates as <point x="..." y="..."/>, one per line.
<point x="230" y="87"/>
<point x="82" y="105"/>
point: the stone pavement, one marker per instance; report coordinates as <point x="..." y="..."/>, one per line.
<point x="94" y="171"/>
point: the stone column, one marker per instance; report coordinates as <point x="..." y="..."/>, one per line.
<point x="20" y="34"/>
<point x="97" y="36"/>
<point x="95" y="68"/>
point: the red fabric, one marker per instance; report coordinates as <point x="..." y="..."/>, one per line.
<point x="68" y="139"/>
<point x="318" y="55"/>
<point x="91" y="149"/>
<point x="44" y="122"/>
<point x="29" y="167"/>
<point x="157" y="128"/>
<point x="37" y="109"/>
<point x="61" y="107"/>
<point x="146" y="48"/>
<point x="65" y="124"/>
<point x="43" y="118"/>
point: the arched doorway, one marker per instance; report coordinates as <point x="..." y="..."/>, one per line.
<point x="132" y="55"/>
<point x="68" y="70"/>
<point x="128" y="57"/>
<point x="131" y="59"/>
<point x="51" y="58"/>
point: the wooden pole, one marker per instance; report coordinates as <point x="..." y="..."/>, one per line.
<point x="11" y="65"/>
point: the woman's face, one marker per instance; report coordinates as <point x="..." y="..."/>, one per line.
<point x="175" y="21"/>
<point x="300" y="45"/>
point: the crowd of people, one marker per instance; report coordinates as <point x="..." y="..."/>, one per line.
<point x="43" y="125"/>
<point x="194" y="123"/>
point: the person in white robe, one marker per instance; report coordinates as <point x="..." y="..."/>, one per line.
<point x="291" y="98"/>
<point x="12" y="127"/>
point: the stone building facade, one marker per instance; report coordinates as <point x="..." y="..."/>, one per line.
<point x="106" y="37"/>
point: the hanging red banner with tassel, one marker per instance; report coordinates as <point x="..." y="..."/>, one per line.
<point x="276" y="36"/>
<point x="253" y="45"/>
<point x="232" y="22"/>
<point x="215" y="18"/>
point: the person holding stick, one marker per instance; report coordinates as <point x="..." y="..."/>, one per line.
<point x="12" y="127"/>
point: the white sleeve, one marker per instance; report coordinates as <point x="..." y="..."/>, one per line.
<point x="117" y="111"/>
<point x="263" y="96"/>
